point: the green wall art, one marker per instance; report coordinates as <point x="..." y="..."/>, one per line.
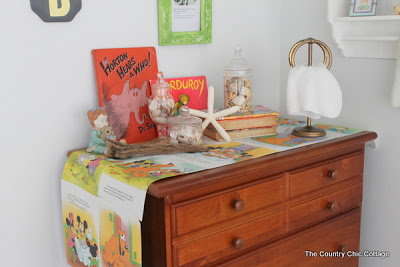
<point x="184" y="22"/>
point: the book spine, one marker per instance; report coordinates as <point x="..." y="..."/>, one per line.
<point x="212" y="128"/>
<point x="244" y="117"/>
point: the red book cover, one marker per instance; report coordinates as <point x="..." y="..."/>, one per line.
<point x="190" y="91"/>
<point x="123" y="88"/>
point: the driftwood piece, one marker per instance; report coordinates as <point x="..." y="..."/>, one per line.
<point x="124" y="151"/>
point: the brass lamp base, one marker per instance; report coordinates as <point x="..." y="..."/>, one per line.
<point x="308" y="131"/>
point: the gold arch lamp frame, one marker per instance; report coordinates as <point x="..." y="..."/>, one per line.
<point x="308" y="130"/>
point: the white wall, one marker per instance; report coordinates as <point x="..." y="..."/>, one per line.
<point x="47" y="85"/>
<point x="366" y="86"/>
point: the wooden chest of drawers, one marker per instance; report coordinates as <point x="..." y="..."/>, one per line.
<point x="263" y="212"/>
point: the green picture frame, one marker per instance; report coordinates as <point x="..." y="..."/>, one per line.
<point x="167" y="37"/>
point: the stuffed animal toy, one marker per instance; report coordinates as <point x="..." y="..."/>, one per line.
<point x="107" y="132"/>
<point x="183" y="100"/>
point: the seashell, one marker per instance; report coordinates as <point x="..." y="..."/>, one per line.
<point x="239" y="100"/>
<point x="182" y="139"/>
<point x="155" y="113"/>
<point x="173" y="141"/>
<point x="231" y="95"/>
<point x="160" y="120"/>
<point x="234" y="79"/>
<point x="173" y="134"/>
<point x="241" y="81"/>
<point x="165" y="111"/>
<point x="244" y="91"/>
<point x="171" y="103"/>
<point x="226" y="83"/>
<point x="248" y="96"/>
<point x="247" y="83"/>
<point x="153" y="105"/>
<point x="233" y="87"/>
<point x="198" y="142"/>
<point x="197" y="136"/>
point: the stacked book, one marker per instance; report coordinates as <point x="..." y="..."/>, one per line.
<point x="261" y="121"/>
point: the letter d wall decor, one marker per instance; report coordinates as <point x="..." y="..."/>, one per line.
<point x="56" y="10"/>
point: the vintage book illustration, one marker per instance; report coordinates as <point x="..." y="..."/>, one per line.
<point x="81" y="226"/>
<point x="120" y="237"/>
<point x="235" y="151"/>
<point x="286" y="138"/>
<point x="338" y="129"/>
<point x="289" y="122"/>
<point x="122" y="76"/>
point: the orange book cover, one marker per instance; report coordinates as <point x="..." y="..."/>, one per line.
<point x="122" y="76"/>
<point x="190" y="91"/>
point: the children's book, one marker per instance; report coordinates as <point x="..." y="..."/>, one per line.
<point x="247" y="123"/>
<point x="123" y="87"/>
<point x="81" y="226"/>
<point x="241" y="133"/>
<point x="258" y="111"/>
<point x="190" y="91"/>
<point x="259" y="117"/>
<point x="287" y="139"/>
<point x="120" y="237"/>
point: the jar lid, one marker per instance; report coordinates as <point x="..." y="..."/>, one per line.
<point x="238" y="62"/>
<point x="160" y="83"/>
<point x="183" y="119"/>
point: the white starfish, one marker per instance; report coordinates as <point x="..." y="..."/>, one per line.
<point x="210" y="116"/>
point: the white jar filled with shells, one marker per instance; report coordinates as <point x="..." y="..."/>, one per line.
<point x="238" y="83"/>
<point x="161" y="105"/>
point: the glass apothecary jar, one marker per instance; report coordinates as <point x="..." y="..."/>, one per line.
<point x="185" y="128"/>
<point x="161" y="105"/>
<point x="238" y="83"/>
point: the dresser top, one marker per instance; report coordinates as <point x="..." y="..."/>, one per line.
<point x="262" y="167"/>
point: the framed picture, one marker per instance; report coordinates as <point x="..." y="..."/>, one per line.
<point x="184" y="22"/>
<point x="362" y="7"/>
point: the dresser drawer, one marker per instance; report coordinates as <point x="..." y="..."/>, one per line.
<point x="325" y="206"/>
<point x="223" y="244"/>
<point x="338" y="235"/>
<point x="211" y="210"/>
<point x="325" y="174"/>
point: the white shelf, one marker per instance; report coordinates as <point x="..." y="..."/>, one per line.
<point x="367" y="36"/>
<point x="371" y="38"/>
<point x="366" y="18"/>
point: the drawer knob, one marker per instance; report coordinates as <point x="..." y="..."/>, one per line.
<point x="238" y="242"/>
<point x="238" y="204"/>
<point x="343" y="249"/>
<point x="333" y="174"/>
<point x="332" y="206"/>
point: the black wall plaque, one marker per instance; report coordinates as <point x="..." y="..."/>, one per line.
<point x="56" y="10"/>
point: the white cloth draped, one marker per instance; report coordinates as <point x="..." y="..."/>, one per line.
<point x="313" y="91"/>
